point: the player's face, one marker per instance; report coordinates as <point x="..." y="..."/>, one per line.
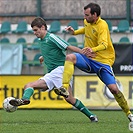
<point x="39" y="32"/>
<point x="88" y="16"/>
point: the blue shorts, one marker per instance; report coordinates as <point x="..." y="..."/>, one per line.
<point x="104" y="72"/>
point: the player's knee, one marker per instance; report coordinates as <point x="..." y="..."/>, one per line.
<point x="114" y="90"/>
<point x="27" y="86"/>
<point x="71" y="57"/>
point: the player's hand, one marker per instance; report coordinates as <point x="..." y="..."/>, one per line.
<point x="41" y="59"/>
<point x="88" y="52"/>
<point x="70" y="29"/>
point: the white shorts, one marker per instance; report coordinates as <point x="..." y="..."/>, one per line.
<point x="54" y="78"/>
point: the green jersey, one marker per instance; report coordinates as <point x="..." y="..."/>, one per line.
<point x="53" y="50"/>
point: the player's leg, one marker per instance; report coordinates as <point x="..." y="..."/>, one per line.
<point x="110" y="82"/>
<point x="71" y="60"/>
<point x="67" y="74"/>
<point x="80" y="106"/>
<point x="57" y="80"/>
<point x="120" y="100"/>
<point x="28" y="92"/>
<point x="68" y="70"/>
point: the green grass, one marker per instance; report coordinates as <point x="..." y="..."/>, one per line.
<point x="62" y="121"/>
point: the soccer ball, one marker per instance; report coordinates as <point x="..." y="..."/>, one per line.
<point x="7" y="106"/>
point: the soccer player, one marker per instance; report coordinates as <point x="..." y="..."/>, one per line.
<point x="97" y="42"/>
<point x="53" y="54"/>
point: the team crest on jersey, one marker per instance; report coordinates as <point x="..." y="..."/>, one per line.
<point x="93" y="31"/>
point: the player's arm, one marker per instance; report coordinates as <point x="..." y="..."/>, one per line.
<point x="79" y="31"/>
<point x="74" y="49"/>
<point x="75" y="32"/>
<point x="64" y="45"/>
<point x="102" y="39"/>
<point x="99" y="47"/>
<point x="82" y="51"/>
<point x="91" y="52"/>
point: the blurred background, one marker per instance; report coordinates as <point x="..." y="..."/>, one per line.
<point x="19" y="48"/>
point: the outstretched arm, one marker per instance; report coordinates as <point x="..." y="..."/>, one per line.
<point x="75" y="32"/>
<point x="74" y="49"/>
<point x="86" y="51"/>
<point x="70" y="29"/>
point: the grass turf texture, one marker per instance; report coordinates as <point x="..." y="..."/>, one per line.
<point x="62" y="121"/>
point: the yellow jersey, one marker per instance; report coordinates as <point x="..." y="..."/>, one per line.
<point x="97" y="37"/>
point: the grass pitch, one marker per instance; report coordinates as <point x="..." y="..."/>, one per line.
<point x="62" y="121"/>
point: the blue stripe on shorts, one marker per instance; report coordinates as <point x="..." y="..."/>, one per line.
<point x="104" y="72"/>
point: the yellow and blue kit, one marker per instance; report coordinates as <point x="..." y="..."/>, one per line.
<point x="97" y="37"/>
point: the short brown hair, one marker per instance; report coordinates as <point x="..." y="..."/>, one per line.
<point x="95" y="8"/>
<point x="39" y="22"/>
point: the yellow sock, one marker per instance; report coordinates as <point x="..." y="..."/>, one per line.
<point x="68" y="72"/>
<point x="122" y="102"/>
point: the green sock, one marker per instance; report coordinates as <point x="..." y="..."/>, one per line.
<point x="28" y="92"/>
<point x="79" y="105"/>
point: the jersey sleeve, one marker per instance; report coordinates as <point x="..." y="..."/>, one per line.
<point x="102" y="39"/>
<point x="62" y="44"/>
<point x="79" y="31"/>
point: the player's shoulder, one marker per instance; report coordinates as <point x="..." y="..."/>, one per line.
<point x="100" y="20"/>
<point x="103" y="23"/>
<point x="51" y="35"/>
